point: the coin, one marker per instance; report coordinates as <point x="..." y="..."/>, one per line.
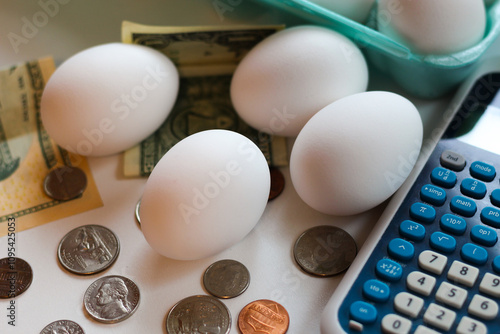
<point x="62" y="327"/>
<point x="325" y="250"/>
<point x="226" y="279"/>
<point x="263" y="316"/>
<point x="277" y="183"/>
<point x="199" y="314"/>
<point x="65" y="183"/>
<point x="88" y="249"/>
<point x="15" y="277"/>
<point x="111" y="299"/>
<point x="137" y="208"/>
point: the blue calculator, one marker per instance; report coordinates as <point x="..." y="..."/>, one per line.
<point x="432" y="262"/>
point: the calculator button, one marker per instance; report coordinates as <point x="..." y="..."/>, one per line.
<point x="453" y="224"/>
<point x="432" y="261"/>
<point x="490" y="285"/>
<point x="463" y="206"/>
<point x="389" y="270"/>
<point x="423" y="212"/>
<point x="463" y="273"/>
<point x="474" y="254"/>
<point x="443" y="242"/>
<point x="363" y="312"/>
<point x="401" y="249"/>
<point x="375" y="290"/>
<point x="412" y="230"/>
<point x="408" y="304"/>
<point x="483" y="171"/>
<point x="443" y="177"/>
<point x="355" y="326"/>
<point x="491" y="216"/>
<point x="432" y="194"/>
<point x="420" y="283"/>
<point x="439" y="316"/>
<point x="451" y="295"/>
<point x="473" y="188"/>
<point x="395" y="324"/>
<point x="452" y="160"/>
<point x="425" y="330"/>
<point x="483" y="235"/>
<point x="496" y="264"/>
<point x="483" y="307"/>
<point x="471" y="326"/>
<point x="495" y="197"/>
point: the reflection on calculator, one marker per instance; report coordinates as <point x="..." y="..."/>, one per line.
<point x="432" y="263"/>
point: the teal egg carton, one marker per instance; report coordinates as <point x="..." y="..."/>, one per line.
<point x="426" y="76"/>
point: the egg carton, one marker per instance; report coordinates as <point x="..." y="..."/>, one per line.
<point x="425" y="76"/>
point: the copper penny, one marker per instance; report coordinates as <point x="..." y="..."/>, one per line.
<point x="277" y="183"/>
<point x="65" y="183"/>
<point x="15" y="277"/>
<point x="263" y="316"/>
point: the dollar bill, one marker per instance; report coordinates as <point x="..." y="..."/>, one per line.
<point x="206" y="57"/>
<point x="27" y="153"/>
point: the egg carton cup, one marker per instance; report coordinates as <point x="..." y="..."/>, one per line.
<point x="425" y="76"/>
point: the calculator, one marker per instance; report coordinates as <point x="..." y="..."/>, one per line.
<point x="432" y="262"/>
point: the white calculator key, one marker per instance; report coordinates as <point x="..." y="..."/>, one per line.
<point x="451" y="295"/>
<point x="439" y="316"/>
<point x="471" y="326"/>
<point x="463" y="273"/>
<point x="408" y="304"/>
<point x="395" y="324"/>
<point x="355" y="326"/>
<point x="490" y="284"/>
<point x="421" y="283"/>
<point x="432" y="261"/>
<point x="483" y="307"/>
<point x="425" y="330"/>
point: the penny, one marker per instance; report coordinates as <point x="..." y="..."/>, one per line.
<point x="325" y="250"/>
<point x="226" y="279"/>
<point x="198" y="314"/>
<point x="88" y="249"/>
<point x="15" y="277"/>
<point x="137" y="215"/>
<point x="111" y="299"/>
<point x="62" y="327"/>
<point x="277" y="183"/>
<point x="263" y="316"/>
<point x="65" y="183"/>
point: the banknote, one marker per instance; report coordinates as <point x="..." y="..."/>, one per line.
<point x="206" y="57"/>
<point x="27" y="153"/>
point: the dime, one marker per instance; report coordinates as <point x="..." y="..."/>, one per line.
<point x="263" y="316"/>
<point x="226" y="279"/>
<point x="15" y="277"/>
<point x="88" y="249"/>
<point x="325" y="250"/>
<point x="111" y="299"/>
<point x="277" y="183"/>
<point x="137" y="208"/>
<point x="62" y="327"/>
<point x="65" y="183"/>
<point x="199" y="314"/>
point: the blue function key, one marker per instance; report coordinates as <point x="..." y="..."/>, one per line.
<point x="432" y="194"/>
<point x="474" y="254"/>
<point x="496" y="264"/>
<point x="453" y="224"/>
<point x="401" y="249"/>
<point x="443" y="177"/>
<point x="463" y="206"/>
<point x="491" y="216"/>
<point x="495" y="197"/>
<point x="443" y="242"/>
<point x="484" y="235"/>
<point x="412" y="230"/>
<point x="473" y="188"/>
<point x="452" y="160"/>
<point x="422" y="212"/>
<point x="375" y="290"/>
<point x="482" y="171"/>
<point x="389" y="270"/>
<point x="363" y="312"/>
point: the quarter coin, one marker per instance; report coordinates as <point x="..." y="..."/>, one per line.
<point x="277" y="183"/>
<point x="62" y="327"/>
<point x="263" y="316"/>
<point x="325" y="250"/>
<point x="226" y="279"/>
<point x="65" y="183"/>
<point x="15" y="277"/>
<point x="111" y="299"/>
<point x="88" y="249"/>
<point x="198" y="314"/>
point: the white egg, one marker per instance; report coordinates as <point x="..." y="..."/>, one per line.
<point x="204" y="195"/>
<point x="356" y="152"/>
<point x="108" y="98"/>
<point x="357" y="10"/>
<point x="292" y="74"/>
<point x="433" y="27"/>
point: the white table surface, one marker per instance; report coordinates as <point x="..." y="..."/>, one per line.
<point x="267" y="251"/>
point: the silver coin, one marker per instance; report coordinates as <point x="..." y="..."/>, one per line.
<point x="111" y="299"/>
<point x="88" y="249"/>
<point x="137" y="209"/>
<point x="65" y="183"/>
<point x="62" y="327"/>
<point x="16" y="276"/>
<point x="199" y="314"/>
<point x="325" y="250"/>
<point x="226" y="279"/>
